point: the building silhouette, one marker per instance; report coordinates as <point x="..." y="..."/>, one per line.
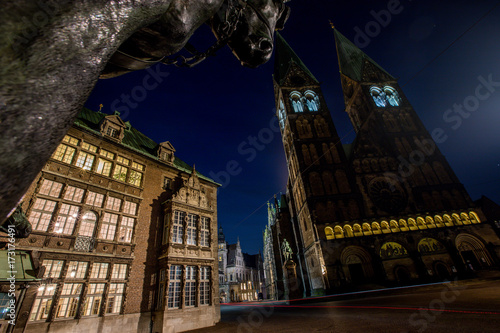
<point x="385" y="209"/>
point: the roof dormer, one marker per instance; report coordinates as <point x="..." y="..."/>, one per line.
<point x="166" y="152"/>
<point x="113" y="127"/>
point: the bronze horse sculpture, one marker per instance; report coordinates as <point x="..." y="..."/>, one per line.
<point x="53" y="52"/>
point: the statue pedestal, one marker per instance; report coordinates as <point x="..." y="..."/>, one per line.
<point x="292" y="287"/>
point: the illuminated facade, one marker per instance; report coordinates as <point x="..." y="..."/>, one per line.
<point x="124" y="236"/>
<point x="385" y="209"/>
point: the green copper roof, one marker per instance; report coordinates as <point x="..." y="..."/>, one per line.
<point x="133" y="139"/>
<point x="351" y="58"/>
<point x="283" y="59"/>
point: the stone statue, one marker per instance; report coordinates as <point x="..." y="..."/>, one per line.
<point x="53" y="52"/>
<point x="287" y="250"/>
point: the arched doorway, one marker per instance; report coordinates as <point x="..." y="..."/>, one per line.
<point x="357" y="264"/>
<point x="441" y="270"/>
<point x="402" y="274"/>
<point x="473" y="252"/>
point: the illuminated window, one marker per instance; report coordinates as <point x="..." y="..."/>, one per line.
<point x="190" y="286"/>
<point x="130" y="208"/>
<point x="191" y="229"/>
<point x="87" y="225"/>
<point x="178" y="227"/>
<point x="52" y="268"/>
<point x="282" y="114"/>
<point x="71" y="140"/>
<point x="135" y="178"/>
<point x="51" y="188"/>
<point x="104" y="167"/>
<point x="205" y="232"/>
<point x="120" y="173"/>
<point x="99" y="270"/>
<point x="77" y="270"/>
<point x="43" y="302"/>
<point x="89" y="147"/>
<point x="392" y="96"/>
<point x="41" y="214"/>
<point x="126" y="229"/>
<point x="108" y="227"/>
<point x="94" y="199"/>
<point x="378" y="97"/>
<point x="137" y="166"/>
<point x="93" y="300"/>
<point x="85" y="160"/>
<point x="113" y="204"/>
<point x="64" y="153"/>
<point x="123" y="160"/>
<point x="115" y="298"/>
<point x="69" y="299"/>
<point x="174" y="287"/>
<point x="107" y="154"/>
<point x="119" y="272"/>
<point x="312" y="100"/>
<point x="74" y="194"/>
<point x="65" y="223"/>
<point x="296" y="100"/>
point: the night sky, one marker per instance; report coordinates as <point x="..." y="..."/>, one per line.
<point x="219" y="115"/>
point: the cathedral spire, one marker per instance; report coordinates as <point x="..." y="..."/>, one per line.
<point x="353" y="61"/>
<point x="284" y="58"/>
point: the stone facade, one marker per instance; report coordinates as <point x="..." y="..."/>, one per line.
<point x="241" y="276"/>
<point x="386" y="209"/>
<point x="124" y="236"/>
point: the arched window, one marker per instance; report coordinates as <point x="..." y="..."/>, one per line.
<point x="392" y="96"/>
<point x="312" y="100"/>
<point x="87" y="225"/>
<point x="348" y="231"/>
<point x="329" y="233"/>
<point x="282" y="114"/>
<point x="339" y="232"/>
<point x="378" y="97"/>
<point x="357" y="230"/>
<point x="296" y="100"/>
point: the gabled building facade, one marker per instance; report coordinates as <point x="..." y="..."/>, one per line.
<point x="386" y="208"/>
<point x="124" y="236"/>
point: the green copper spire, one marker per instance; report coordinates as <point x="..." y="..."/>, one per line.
<point x="283" y="60"/>
<point x="351" y="59"/>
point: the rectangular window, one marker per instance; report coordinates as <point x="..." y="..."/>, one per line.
<point x="123" y="160"/>
<point x="41" y="214"/>
<point x="126" y="229"/>
<point x="74" y="194"/>
<point x="113" y="204"/>
<point x="119" y="272"/>
<point x="104" y="167"/>
<point x="108" y="227"/>
<point x="43" y="302"/>
<point x="64" y="153"/>
<point x="4" y="305"/>
<point x="190" y="286"/>
<point x="51" y="188"/>
<point x="99" y="270"/>
<point x="167" y="183"/>
<point x="68" y="302"/>
<point x="71" y="140"/>
<point x="205" y="232"/>
<point x="112" y="132"/>
<point x="52" y="268"/>
<point x="178" y="227"/>
<point x="107" y="154"/>
<point x="191" y="229"/>
<point x="166" y="224"/>
<point x="120" y="173"/>
<point x="66" y="219"/>
<point x="94" y="199"/>
<point x="135" y="178"/>
<point x="161" y="290"/>
<point x="205" y="285"/>
<point x="115" y="298"/>
<point x="93" y="300"/>
<point x="130" y="208"/>
<point x="85" y="161"/>
<point x="77" y="270"/>
<point x="138" y="166"/>
<point x="89" y="147"/>
<point x="174" y="287"/>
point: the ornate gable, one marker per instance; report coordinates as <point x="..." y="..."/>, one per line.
<point x="113" y="127"/>
<point x="192" y="193"/>
<point x="166" y="152"/>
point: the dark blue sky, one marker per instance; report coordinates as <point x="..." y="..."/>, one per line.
<point x="213" y="113"/>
